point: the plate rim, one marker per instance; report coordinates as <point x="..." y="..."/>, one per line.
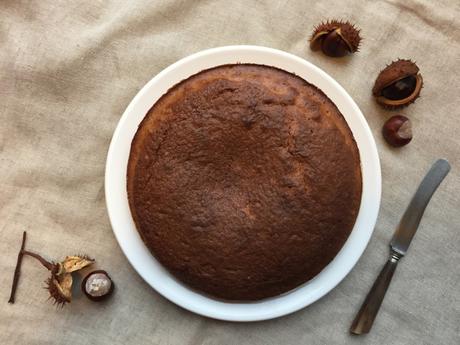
<point x="268" y="308"/>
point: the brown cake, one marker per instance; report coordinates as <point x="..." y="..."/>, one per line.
<point x="244" y="181"/>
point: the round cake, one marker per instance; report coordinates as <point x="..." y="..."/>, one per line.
<point x="244" y="181"/>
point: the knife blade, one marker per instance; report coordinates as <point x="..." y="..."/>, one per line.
<point x="399" y="244"/>
<point x="414" y="212"/>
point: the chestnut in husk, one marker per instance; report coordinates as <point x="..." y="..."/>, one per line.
<point x="97" y="285"/>
<point x="335" y="38"/>
<point x="397" y="131"/>
<point x="398" y="85"/>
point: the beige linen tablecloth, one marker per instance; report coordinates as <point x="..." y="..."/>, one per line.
<point x="68" y="69"/>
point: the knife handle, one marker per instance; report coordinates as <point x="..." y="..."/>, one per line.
<point x="365" y="318"/>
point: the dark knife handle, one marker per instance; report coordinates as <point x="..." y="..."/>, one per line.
<point x="365" y="318"/>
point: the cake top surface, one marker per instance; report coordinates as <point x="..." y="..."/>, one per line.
<point x="244" y="181"/>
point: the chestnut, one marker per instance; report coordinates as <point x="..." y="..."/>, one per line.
<point x="400" y="89"/>
<point x="398" y="85"/>
<point x="335" y="38"/>
<point x="397" y="131"/>
<point x="97" y="285"/>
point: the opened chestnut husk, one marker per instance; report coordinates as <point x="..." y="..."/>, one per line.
<point x="335" y="38"/>
<point x="398" y="85"/>
<point x="59" y="283"/>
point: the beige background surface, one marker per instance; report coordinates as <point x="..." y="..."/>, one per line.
<point x="68" y="69"/>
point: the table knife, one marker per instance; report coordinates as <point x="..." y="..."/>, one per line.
<point x="399" y="245"/>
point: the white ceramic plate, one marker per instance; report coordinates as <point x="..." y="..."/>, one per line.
<point x="149" y="268"/>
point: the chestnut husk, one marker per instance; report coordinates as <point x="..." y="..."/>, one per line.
<point x="60" y="288"/>
<point x="398" y="85"/>
<point x="59" y="284"/>
<point x="335" y="38"/>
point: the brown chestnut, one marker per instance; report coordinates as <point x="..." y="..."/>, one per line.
<point x="398" y="85"/>
<point x="397" y="131"/>
<point x="335" y="38"/>
<point x="97" y="285"/>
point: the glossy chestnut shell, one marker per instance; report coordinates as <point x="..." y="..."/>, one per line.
<point x="397" y="131"/>
<point x="398" y="85"/>
<point x="97" y="285"/>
